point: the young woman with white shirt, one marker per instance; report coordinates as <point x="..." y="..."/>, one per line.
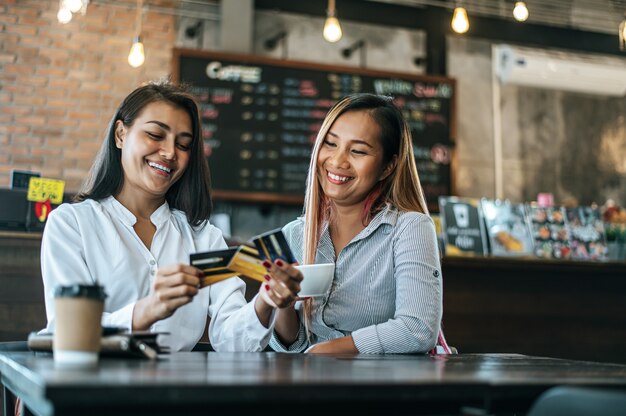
<point x="142" y="211"/>
<point x="364" y="211"/>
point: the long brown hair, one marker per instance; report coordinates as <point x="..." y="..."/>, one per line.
<point x="401" y="189"/>
<point x="192" y="192"/>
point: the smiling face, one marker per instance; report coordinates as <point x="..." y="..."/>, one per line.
<point x="155" y="149"/>
<point x="350" y="161"/>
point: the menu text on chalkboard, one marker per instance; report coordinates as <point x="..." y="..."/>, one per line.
<point x="260" y="117"/>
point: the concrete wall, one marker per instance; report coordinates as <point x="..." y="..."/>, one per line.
<point x="573" y="145"/>
<point x="469" y="62"/>
<point x="570" y="144"/>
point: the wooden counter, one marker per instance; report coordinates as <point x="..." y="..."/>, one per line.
<point x="22" y="307"/>
<point x="538" y="307"/>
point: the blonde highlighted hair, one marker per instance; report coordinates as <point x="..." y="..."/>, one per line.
<point x="401" y="188"/>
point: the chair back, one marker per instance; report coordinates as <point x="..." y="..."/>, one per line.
<point x="579" y="401"/>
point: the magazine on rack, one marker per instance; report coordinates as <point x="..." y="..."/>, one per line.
<point x="587" y="237"/>
<point x="463" y="229"/>
<point x="550" y="232"/>
<point x="507" y="228"/>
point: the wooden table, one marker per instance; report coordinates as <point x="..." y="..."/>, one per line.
<point x="278" y="383"/>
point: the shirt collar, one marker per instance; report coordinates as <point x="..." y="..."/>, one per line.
<point x="158" y="217"/>
<point x="388" y="215"/>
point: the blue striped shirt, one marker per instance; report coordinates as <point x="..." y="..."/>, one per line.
<point x="387" y="288"/>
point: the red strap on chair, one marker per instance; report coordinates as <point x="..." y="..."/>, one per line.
<point x="442" y="346"/>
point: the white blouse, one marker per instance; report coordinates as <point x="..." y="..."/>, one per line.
<point x="94" y="242"/>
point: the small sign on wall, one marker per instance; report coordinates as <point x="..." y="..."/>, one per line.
<point x="44" y="192"/>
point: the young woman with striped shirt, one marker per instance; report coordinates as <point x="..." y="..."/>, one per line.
<point x="364" y="211"/>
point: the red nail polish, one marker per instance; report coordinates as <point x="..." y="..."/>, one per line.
<point x="267" y="264"/>
<point x="267" y="277"/>
<point x="279" y="263"/>
<point x="267" y="287"/>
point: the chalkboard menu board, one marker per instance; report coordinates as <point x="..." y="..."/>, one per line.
<point x="260" y="117"/>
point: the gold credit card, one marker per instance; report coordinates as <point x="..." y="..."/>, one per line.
<point x="218" y="265"/>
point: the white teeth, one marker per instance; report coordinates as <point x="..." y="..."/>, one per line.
<point x="338" y="178"/>
<point x="160" y="167"/>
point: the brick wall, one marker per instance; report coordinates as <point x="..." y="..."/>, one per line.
<point x="60" y="84"/>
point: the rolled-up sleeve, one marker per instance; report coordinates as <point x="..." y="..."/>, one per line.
<point x="417" y="272"/>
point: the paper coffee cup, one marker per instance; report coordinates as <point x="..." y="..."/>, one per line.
<point x="78" y="331"/>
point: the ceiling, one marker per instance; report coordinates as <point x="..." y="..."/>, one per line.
<point x="601" y="16"/>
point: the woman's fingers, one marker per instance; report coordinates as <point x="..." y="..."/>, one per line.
<point x="176" y="275"/>
<point x="289" y="270"/>
<point x="175" y="269"/>
<point x="166" y="293"/>
<point x="284" y="283"/>
<point x="285" y="273"/>
<point x="168" y="299"/>
<point x="167" y="308"/>
<point x="175" y="286"/>
<point x="275" y="298"/>
<point x="287" y="291"/>
<point x="285" y="270"/>
<point x="280" y="293"/>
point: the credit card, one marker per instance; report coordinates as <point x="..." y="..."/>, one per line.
<point x="272" y="246"/>
<point x="218" y="265"/>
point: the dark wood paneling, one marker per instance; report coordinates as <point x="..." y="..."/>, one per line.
<point x="22" y="308"/>
<point x="549" y="308"/>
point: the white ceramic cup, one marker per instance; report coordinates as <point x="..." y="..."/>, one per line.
<point x="317" y="279"/>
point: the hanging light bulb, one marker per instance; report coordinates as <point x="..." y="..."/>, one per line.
<point x="64" y="16"/>
<point x="136" y="56"/>
<point x="622" y="34"/>
<point x="460" y="22"/>
<point x="74" y="5"/>
<point x="520" y="11"/>
<point x="332" y="29"/>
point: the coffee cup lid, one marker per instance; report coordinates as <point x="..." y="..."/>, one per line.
<point x="80" y="291"/>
